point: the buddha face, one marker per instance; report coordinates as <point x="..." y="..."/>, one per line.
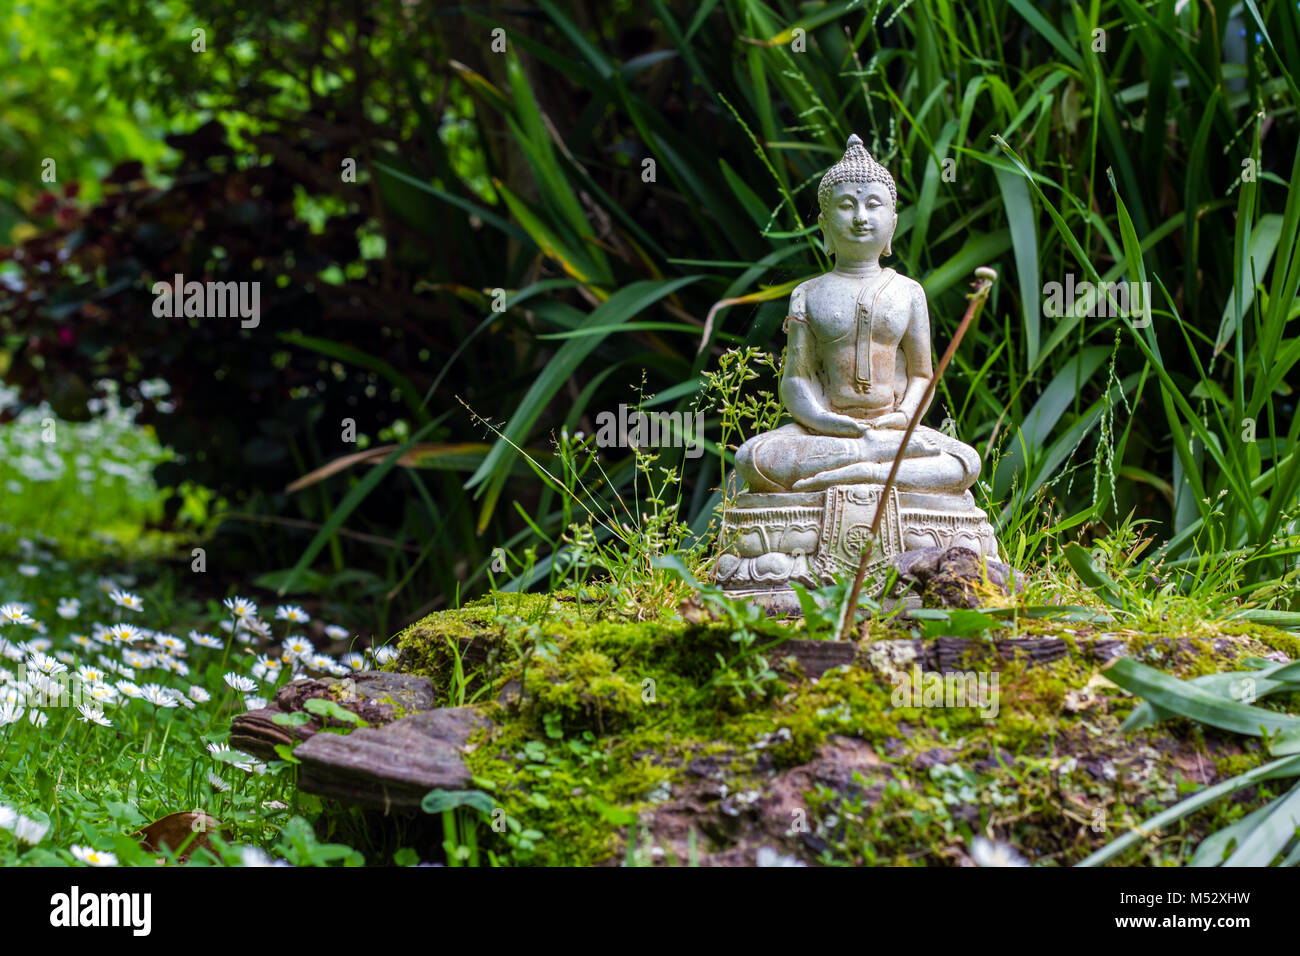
<point x="859" y="220"/>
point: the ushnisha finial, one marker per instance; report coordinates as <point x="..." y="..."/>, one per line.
<point x="855" y="166"/>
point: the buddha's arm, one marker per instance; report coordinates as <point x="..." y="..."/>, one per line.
<point x="916" y="352"/>
<point x="799" y="390"/>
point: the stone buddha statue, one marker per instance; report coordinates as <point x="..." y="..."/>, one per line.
<point x="858" y="365"/>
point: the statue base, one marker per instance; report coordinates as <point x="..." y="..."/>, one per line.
<point x="772" y="540"/>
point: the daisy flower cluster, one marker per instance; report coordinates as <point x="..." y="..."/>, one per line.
<point x="115" y="675"/>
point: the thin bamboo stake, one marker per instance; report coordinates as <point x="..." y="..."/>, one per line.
<point x="985" y="277"/>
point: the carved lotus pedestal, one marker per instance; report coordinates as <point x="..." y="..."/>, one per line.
<point x="770" y="541"/>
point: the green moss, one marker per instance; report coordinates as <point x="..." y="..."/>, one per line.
<point x="610" y="731"/>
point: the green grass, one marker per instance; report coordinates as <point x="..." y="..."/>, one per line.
<point x="95" y="786"/>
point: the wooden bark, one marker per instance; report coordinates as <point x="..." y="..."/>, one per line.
<point x="393" y="767"/>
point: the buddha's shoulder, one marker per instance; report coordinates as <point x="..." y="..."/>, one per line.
<point x="905" y="287"/>
<point x="799" y="297"/>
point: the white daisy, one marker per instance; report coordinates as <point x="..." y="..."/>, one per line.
<point x="30" y="831"/>
<point x="240" y="607"/>
<point x="254" y="703"/>
<point x="44" y="664"/>
<point x="125" y="633"/>
<point x="256" y="626"/>
<point x="989" y="853"/>
<point x="335" y="633"/>
<point x="38" y="718"/>
<point x="93" y="715"/>
<point x="180" y="698"/>
<point x="68" y="608"/>
<point x="320" y="662"/>
<point x="267" y="668"/>
<point x="295" y="647"/>
<point x="240" y="683"/>
<point x="14" y="614"/>
<point x="206" y="640"/>
<point x="253" y="856"/>
<point x="199" y="695"/>
<point x="10" y="712"/>
<point x="137" y="659"/>
<point x="291" y="613"/>
<point x="103" y="693"/>
<point x="91" y="675"/>
<point x="29" y="570"/>
<point x="171" y="644"/>
<point x="217" y="783"/>
<point x="92" y="857"/>
<point x="129" y="690"/>
<point x="81" y="640"/>
<point x="159" y="696"/>
<point x="126" y="599"/>
<point x="354" y="661"/>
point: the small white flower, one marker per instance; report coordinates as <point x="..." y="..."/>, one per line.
<point x="29" y="570"/>
<point x="14" y="614"/>
<point x="256" y="626"/>
<point x="127" y="600"/>
<point x="103" y="693"/>
<point x="206" y="640"/>
<point x="254" y="703"/>
<point x="44" y="664"/>
<point x="252" y="856"/>
<point x="989" y="853"/>
<point x="159" y="696"/>
<point x="767" y="856"/>
<point x="125" y="633"/>
<point x="81" y="640"/>
<point x="91" y="675"/>
<point x="180" y="698"/>
<point x="171" y="644"/>
<point x="291" y="613"/>
<point x="385" y="655"/>
<point x="354" y="661"/>
<point x="136" y="659"/>
<point x="267" y="668"/>
<point x="129" y="690"/>
<point x="10" y="713"/>
<point x="93" y="715"/>
<point x="240" y="607"/>
<point x="295" y="647"/>
<point x="93" y="857"/>
<point x="37" y="718"/>
<point x="30" y="831"/>
<point x="319" y="662"/>
<point x="68" y="608"/>
<point x="217" y="783"/>
<point x="172" y="665"/>
<point x="240" y="683"/>
<point x="335" y="633"/>
<point x="199" y="695"/>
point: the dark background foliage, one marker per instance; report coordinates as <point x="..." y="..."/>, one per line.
<point x="523" y="171"/>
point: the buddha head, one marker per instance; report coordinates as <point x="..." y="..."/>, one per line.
<point x="859" y="205"/>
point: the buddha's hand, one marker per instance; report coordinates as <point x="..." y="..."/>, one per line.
<point x="892" y="420"/>
<point x="842" y="426"/>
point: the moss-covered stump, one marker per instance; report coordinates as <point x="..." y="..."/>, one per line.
<point x="665" y="740"/>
